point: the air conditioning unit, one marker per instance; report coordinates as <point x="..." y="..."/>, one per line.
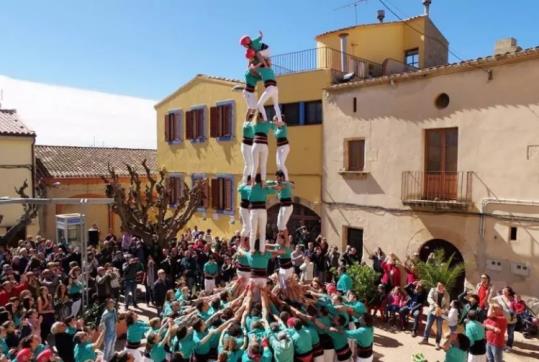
<point x="493" y="264"/>
<point x="521" y="269"/>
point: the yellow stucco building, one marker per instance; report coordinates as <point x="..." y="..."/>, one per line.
<point x="16" y="165"/>
<point x="192" y="146"/>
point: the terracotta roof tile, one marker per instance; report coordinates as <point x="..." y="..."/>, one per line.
<point x="71" y="161"/>
<point x="11" y="125"/>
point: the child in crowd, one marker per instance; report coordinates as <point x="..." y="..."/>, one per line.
<point x="395" y="301"/>
<point x="379" y="302"/>
<point x="453" y="316"/>
<point x="495" y="327"/>
<point x="256" y="48"/>
<point x="456" y="347"/>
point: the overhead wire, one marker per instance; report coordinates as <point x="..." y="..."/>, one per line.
<point x="385" y="5"/>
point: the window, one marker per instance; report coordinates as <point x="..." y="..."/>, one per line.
<point x="205" y="202"/>
<point x="442" y="101"/>
<point x="222" y="193"/>
<point x="354" y="105"/>
<point x="313" y="112"/>
<point x="194" y="124"/>
<point x="174" y="188"/>
<point x="173" y="130"/>
<point x="513" y="233"/>
<point x="355" y="160"/>
<point x="411" y="57"/>
<point x="354" y="238"/>
<point x="221" y="117"/>
<point x="291" y="113"/>
<point x="270" y="112"/>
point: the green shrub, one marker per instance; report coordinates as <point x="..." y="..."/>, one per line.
<point x="364" y="280"/>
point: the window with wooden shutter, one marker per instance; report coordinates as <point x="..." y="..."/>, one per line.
<point x="177" y="134"/>
<point x="228" y="194"/>
<point x="206" y="194"/>
<point x="167" y="127"/>
<point x="174" y="188"/>
<point x="226" y="120"/>
<point x="215" y="193"/>
<point x="189" y="122"/>
<point x="355" y="155"/>
<point x="215" y="120"/>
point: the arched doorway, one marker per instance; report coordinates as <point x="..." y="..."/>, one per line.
<point x="302" y="216"/>
<point x="449" y="249"/>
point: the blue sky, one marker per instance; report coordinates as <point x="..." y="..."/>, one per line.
<point x="148" y="48"/>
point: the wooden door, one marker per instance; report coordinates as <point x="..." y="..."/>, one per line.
<point x="441" y="154"/>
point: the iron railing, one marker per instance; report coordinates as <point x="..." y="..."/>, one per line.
<point x="436" y="187"/>
<point x="324" y="58"/>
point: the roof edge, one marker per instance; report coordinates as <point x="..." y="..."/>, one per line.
<point x="469" y="65"/>
<point x="215" y="79"/>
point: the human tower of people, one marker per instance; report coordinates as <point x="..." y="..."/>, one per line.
<point x="259" y="317"/>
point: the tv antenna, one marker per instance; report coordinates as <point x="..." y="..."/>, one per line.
<point x="355" y="4"/>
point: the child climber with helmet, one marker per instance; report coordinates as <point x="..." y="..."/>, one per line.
<point x="261" y="50"/>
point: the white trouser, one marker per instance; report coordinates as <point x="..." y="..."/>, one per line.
<point x="250" y="99"/>
<point x="329" y="355"/>
<point x="319" y="358"/>
<point x="247" y="153"/>
<point x="273" y="93"/>
<point x="265" y="53"/>
<point x="283" y="216"/>
<point x="245" y="222"/>
<point x="368" y="359"/>
<point x="477" y="358"/>
<point x="260" y="282"/>
<point x="280" y="159"/>
<point x="243" y="274"/>
<point x="137" y="356"/>
<point x="284" y="275"/>
<point x="209" y="284"/>
<point x="259" y="219"/>
<point x="260" y="159"/>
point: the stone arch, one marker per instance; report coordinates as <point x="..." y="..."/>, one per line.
<point x="304" y="213"/>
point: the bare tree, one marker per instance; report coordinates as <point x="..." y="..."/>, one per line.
<point x="146" y="210"/>
<point x="30" y="212"/>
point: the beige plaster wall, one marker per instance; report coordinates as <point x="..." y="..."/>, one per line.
<point x="498" y="124"/>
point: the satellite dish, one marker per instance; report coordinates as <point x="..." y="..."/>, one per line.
<point x="348" y="77"/>
<point x="238" y="88"/>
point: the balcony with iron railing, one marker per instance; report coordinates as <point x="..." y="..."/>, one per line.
<point x="440" y="190"/>
<point x="339" y="62"/>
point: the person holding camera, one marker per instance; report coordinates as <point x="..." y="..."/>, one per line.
<point x="130" y="268"/>
<point x="438" y="300"/>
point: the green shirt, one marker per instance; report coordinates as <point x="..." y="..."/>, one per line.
<point x="157" y="353"/>
<point x="287" y="254"/>
<point x="340" y="339"/>
<point x="85" y="352"/>
<point x="456" y="355"/>
<point x="344" y="284"/>
<point x="315" y="338"/>
<point x="302" y="340"/>
<point x="136" y="331"/>
<point x="243" y="260"/>
<point x="286" y="191"/>
<point x="281" y="132"/>
<point x="244" y="191"/>
<point x="248" y="131"/>
<point x="260" y="193"/>
<point x="263" y="127"/>
<point x="475" y="331"/>
<point x="258" y="260"/>
<point x="258" y="333"/>
<point x="211" y="268"/>
<point x="185" y="346"/>
<point x="256" y="44"/>
<point x="201" y="349"/>
<point x="363" y="336"/>
<point x="74" y="288"/>
<point x="283" y="351"/>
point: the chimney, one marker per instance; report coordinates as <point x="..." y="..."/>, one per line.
<point x="344" y="60"/>
<point x="426" y="4"/>
<point x="507" y="45"/>
<point x="381" y="15"/>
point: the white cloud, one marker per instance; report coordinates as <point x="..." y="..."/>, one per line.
<point x="77" y="117"/>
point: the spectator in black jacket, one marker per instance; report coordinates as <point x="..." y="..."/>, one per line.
<point x="160" y="288"/>
<point x="63" y="342"/>
<point x="414" y="306"/>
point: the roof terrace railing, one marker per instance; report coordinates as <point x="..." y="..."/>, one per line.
<point x="325" y="58"/>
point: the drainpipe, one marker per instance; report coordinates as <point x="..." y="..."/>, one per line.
<point x="487" y="201"/>
<point x="344" y="61"/>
